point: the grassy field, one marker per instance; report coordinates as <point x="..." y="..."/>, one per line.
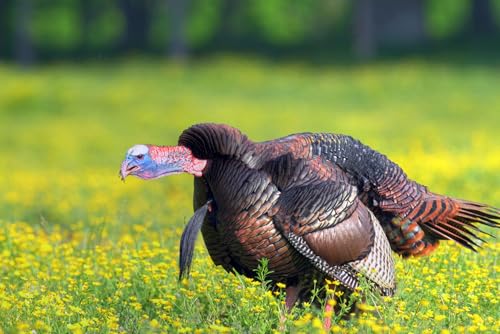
<point x="82" y="252"/>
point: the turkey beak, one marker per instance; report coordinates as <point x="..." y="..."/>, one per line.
<point x="127" y="169"/>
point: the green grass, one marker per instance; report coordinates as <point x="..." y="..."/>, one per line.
<point x="82" y="252"/>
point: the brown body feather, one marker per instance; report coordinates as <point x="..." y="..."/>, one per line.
<point x="318" y="205"/>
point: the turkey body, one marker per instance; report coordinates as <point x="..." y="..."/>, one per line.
<point x="317" y="206"/>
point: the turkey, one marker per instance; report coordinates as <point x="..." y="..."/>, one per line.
<point x="316" y="205"/>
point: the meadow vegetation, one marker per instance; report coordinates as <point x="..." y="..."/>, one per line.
<point x="82" y="252"/>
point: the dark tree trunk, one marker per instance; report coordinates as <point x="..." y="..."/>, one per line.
<point x="23" y="41"/>
<point x="177" y="42"/>
<point x="86" y="15"/>
<point x="228" y="10"/>
<point x="393" y="23"/>
<point x="137" y="22"/>
<point x="400" y="23"/>
<point x="3" y="28"/>
<point x="481" y="20"/>
<point x="365" y="42"/>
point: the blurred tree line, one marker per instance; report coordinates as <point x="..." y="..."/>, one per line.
<point x="33" y="30"/>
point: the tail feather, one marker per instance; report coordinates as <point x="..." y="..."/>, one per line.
<point x="457" y="236"/>
<point x="418" y="231"/>
<point x="462" y="229"/>
<point x="479" y="213"/>
<point x="471" y="226"/>
<point x="458" y="223"/>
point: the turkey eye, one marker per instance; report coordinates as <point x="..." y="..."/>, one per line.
<point x="140" y="156"/>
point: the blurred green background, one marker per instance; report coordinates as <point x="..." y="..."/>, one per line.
<point x="316" y="31"/>
<point x="83" y="80"/>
